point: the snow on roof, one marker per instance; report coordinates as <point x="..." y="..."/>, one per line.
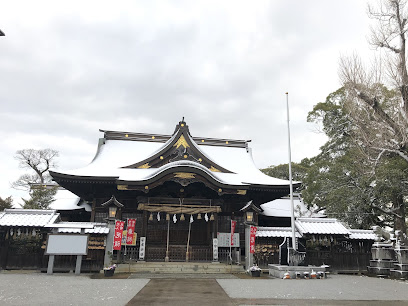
<point x="239" y="161"/>
<point x="99" y="228"/>
<point x="66" y="200"/>
<point x="28" y="217"/>
<point x="281" y="208"/>
<point x="321" y="226"/>
<point x="115" y="154"/>
<point x="276" y="232"/>
<point x="362" y="234"/>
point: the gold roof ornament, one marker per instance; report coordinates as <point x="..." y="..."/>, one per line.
<point x="144" y="166"/>
<point x="184" y="175"/>
<point x="181" y="142"/>
<point x="213" y="169"/>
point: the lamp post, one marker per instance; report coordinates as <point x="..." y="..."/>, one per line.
<point x="112" y="211"/>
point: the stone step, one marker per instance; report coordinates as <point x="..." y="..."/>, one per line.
<point x="191" y="268"/>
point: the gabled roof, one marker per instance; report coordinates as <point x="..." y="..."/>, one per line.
<point x="113" y="201"/>
<point x="138" y="161"/>
<point x="28" y="217"/>
<point x="276" y="232"/>
<point x="321" y="226"/>
<point x="359" y="234"/>
<point x="98" y="228"/>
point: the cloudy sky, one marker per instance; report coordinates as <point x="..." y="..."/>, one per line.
<point x="70" y="68"/>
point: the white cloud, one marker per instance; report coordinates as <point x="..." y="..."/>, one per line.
<point x="70" y="68"/>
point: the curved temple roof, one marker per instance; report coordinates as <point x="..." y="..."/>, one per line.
<point x="135" y="158"/>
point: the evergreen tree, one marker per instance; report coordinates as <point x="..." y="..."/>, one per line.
<point x="41" y="197"/>
<point x="6" y="203"/>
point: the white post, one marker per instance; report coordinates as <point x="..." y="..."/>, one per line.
<point x="188" y="240"/>
<point x="166" y="259"/>
<point x="231" y="242"/>
<point x="292" y="210"/>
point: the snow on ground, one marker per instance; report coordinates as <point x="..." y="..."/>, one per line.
<point x="68" y="289"/>
<point x="336" y="287"/>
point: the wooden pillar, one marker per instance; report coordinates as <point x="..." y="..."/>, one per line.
<point x="93" y="210"/>
<point x="119" y="213"/>
<point x="144" y="223"/>
<point x="215" y="225"/>
<point x="4" y="249"/>
<point x="144" y="232"/>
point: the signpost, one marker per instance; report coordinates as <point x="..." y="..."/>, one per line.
<point x="59" y="244"/>
<point x="142" y="248"/>
<point x="224" y="240"/>
<point x="215" y="249"/>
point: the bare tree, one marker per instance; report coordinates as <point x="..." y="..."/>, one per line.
<point x="38" y="162"/>
<point x="381" y="114"/>
<point x="377" y="95"/>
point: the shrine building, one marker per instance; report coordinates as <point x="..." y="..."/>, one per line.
<point x="182" y="190"/>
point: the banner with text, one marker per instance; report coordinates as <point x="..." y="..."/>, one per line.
<point x="131" y="223"/>
<point x="233" y="225"/>
<point x="252" y="240"/>
<point x="117" y="239"/>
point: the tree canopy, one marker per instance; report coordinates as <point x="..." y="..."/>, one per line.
<point x="6" y="203"/>
<point x="376" y="104"/>
<point x="345" y="180"/>
<point x="38" y="162"/>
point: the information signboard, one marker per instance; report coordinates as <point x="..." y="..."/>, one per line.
<point x="224" y="240"/>
<point x="58" y="244"/>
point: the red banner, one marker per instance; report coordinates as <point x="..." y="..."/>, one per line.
<point x="233" y="225"/>
<point x="131" y="223"/>
<point x="252" y="240"/>
<point x="117" y="239"/>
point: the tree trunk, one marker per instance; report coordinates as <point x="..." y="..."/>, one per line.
<point x="399" y="223"/>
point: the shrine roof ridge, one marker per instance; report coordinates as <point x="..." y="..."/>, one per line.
<point x="131" y="136"/>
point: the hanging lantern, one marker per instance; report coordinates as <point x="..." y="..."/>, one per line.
<point x="206" y="217"/>
<point x="151" y="217"/>
<point x="167" y="217"/>
<point x="174" y="218"/>
<point x="158" y="216"/>
<point x="182" y="218"/>
<point x="191" y="219"/>
<point x="199" y="217"/>
<point x="212" y="217"/>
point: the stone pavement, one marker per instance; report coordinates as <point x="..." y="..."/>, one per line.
<point x="127" y="289"/>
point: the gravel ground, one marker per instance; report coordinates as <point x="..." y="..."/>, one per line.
<point x="337" y="287"/>
<point x="66" y="289"/>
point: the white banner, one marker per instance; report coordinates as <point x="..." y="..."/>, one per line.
<point x="142" y="248"/>
<point x="215" y="249"/>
